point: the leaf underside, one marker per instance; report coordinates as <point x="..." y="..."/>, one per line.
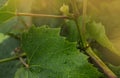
<point x="97" y="32"/>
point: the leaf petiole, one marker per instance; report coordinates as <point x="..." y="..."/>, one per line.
<point x="12" y="58"/>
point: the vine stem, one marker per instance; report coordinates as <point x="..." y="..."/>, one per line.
<point x="90" y="52"/>
<point x="101" y="64"/>
<point x="12" y="58"/>
<point x="84" y="16"/>
<point x="84" y="43"/>
<point x="75" y="18"/>
<point x="42" y="15"/>
<point x="23" y="62"/>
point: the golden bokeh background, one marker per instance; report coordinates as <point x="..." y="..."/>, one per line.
<point x="108" y="12"/>
<point x="105" y="11"/>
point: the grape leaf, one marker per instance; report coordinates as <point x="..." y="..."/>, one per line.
<point x="69" y="30"/>
<point x="5" y="16"/>
<point x="51" y="56"/>
<point x="97" y="32"/>
<point x="115" y="69"/>
<point x="7" y="12"/>
<point x="25" y="73"/>
<point x="12" y="25"/>
<point x="9" y="23"/>
<point x="8" y="69"/>
<point x="3" y="37"/>
<point x="2" y="2"/>
<point x="10" y="6"/>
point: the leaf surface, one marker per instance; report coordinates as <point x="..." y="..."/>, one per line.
<point x="8" y="69"/>
<point x="97" y="32"/>
<point x="5" y="16"/>
<point x="9" y="22"/>
<point x="52" y="56"/>
<point x="2" y="2"/>
<point x="69" y="30"/>
<point x="25" y="73"/>
<point x="12" y="25"/>
<point x="115" y="69"/>
<point x="3" y="37"/>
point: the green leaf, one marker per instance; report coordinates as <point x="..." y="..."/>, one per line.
<point x="13" y="25"/>
<point x="97" y="32"/>
<point x="2" y="2"/>
<point x="10" y="6"/>
<point x="3" y="37"/>
<point x="51" y="56"/>
<point x="25" y="73"/>
<point x="7" y="11"/>
<point x="5" y="16"/>
<point x="8" y="69"/>
<point x="115" y="69"/>
<point x="69" y="30"/>
<point x="9" y="23"/>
